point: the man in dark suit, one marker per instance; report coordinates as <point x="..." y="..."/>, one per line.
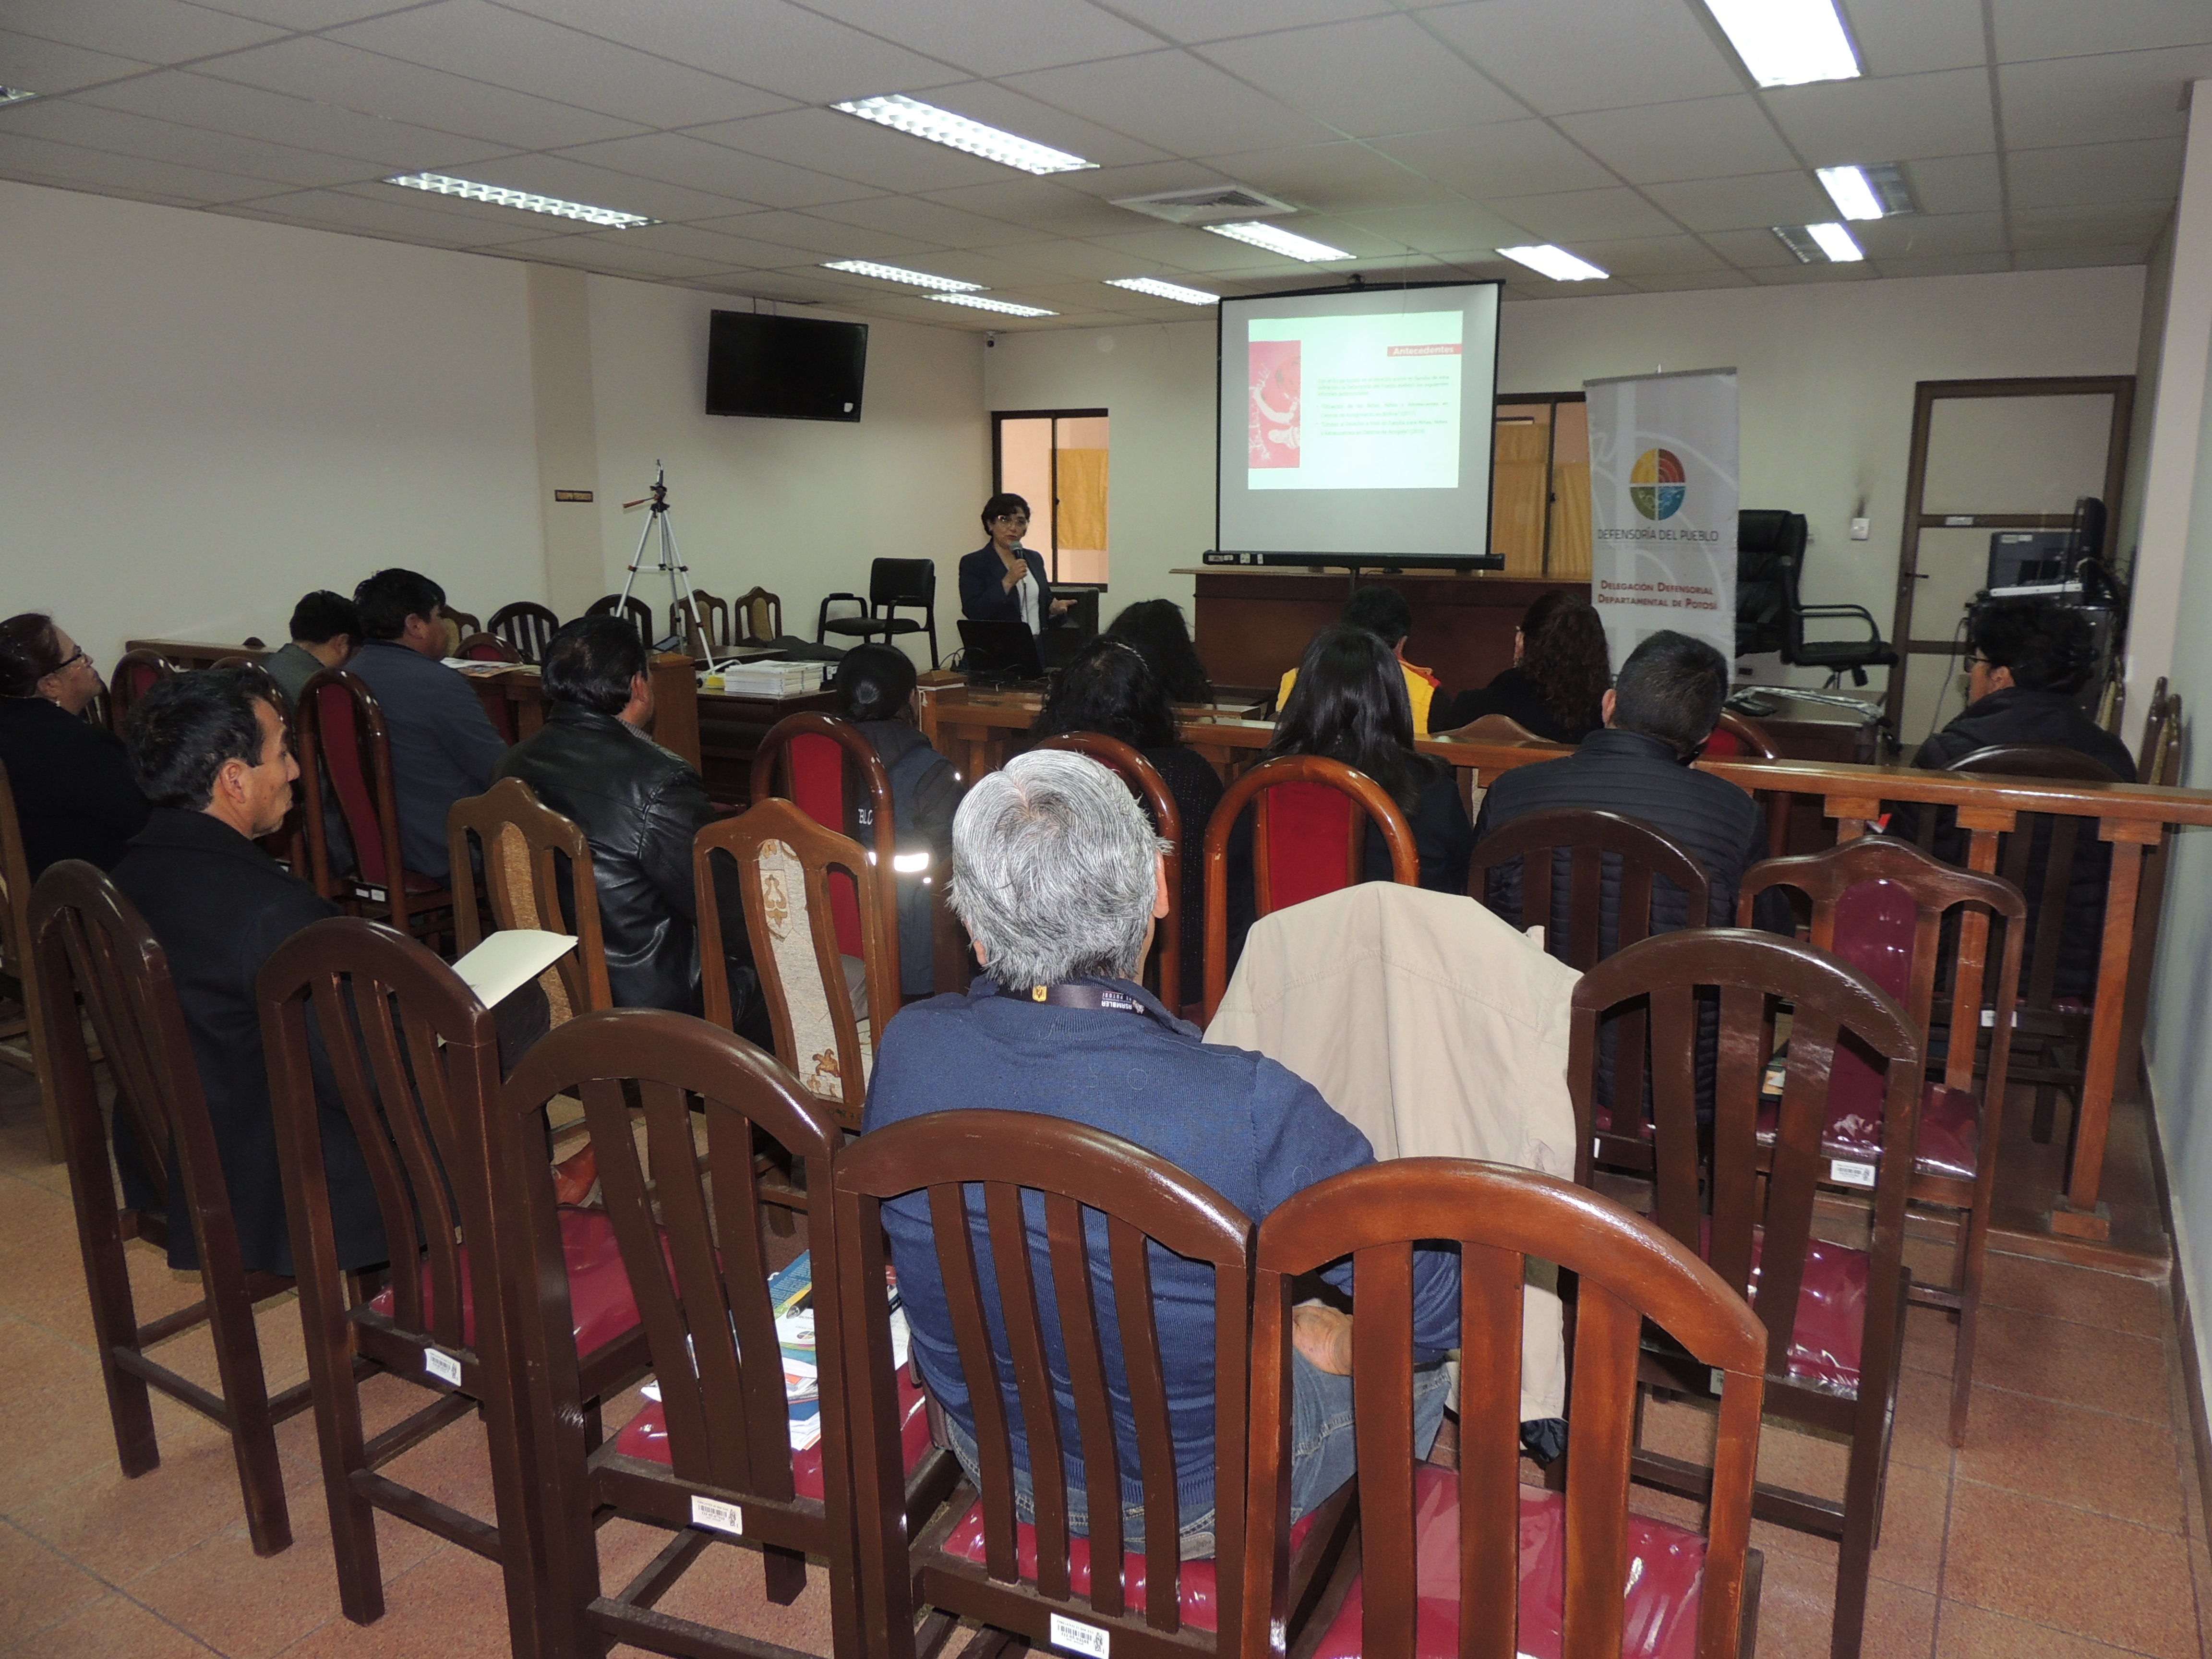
<point x="1003" y="580"/>
<point x="444" y="747"/>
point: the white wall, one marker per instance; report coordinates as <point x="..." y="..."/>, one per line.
<point x="207" y="416"/>
<point x="1826" y="372"/>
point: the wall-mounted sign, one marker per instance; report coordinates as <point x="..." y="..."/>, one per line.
<point x="572" y="495"/>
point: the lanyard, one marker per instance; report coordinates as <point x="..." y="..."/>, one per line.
<point x="1079" y="996"/>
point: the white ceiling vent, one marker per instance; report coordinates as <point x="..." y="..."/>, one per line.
<point x="1210" y="204"/>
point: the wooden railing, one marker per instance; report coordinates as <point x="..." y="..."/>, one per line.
<point x="977" y="731"/>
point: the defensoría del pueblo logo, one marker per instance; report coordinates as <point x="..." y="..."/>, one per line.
<point x="1656" y="484"/>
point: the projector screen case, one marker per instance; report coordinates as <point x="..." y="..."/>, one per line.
<point x="1356" y="425"/>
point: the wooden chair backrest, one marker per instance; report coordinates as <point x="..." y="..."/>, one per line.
<point x="1146" y="784"/>
<point x="636" y="610"/>
<point x="1081" y="1182"/>
<point x="2159" y="760"/>
<point x="488" y="648"/>
<point x="341" y="729"/>
<point x="134" y="674"/>
<point x="1751" y="973"/>
<point x="415" y="1059"/>
<point x="463" y="622"/>
<point x="1492" y="728"/>
<point x="808" y="759"/>
<point x="1639" y="854"/>
<point x="1628" y="1271"/>
<point x="784" y="862"/>
<point x="2045" y="888"/>
<point x="756" y="614"/>
<point x="1741" y="736"/>
<point x="712" y="620"/>
<point x="1298" y="836"/>
<point x="265" y="681"/>
<point x="527" y="849"/>
<point x="527" y="625"/>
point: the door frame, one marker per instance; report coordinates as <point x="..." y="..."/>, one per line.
<point x="999" y="417"/>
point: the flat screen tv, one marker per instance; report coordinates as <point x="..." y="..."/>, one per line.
<point x="786" y="368"/>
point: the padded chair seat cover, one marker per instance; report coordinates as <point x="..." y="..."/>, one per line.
<point x="1826" y="1341"/>
<point x="599" y="1296"/>
<point x="646" y="1436"/>
<point x="1196" y="1581"/>
<point x="1666" y="1569"/>
<point x="1950" y="1129"/>
<point x="1308" y="827"/>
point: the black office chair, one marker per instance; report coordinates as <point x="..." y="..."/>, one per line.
<point x="1838" y="657"/>
<point x="1761" y="532"/>
<point x="891" y="583"/>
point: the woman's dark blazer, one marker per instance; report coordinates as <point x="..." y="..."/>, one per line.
<point x="984" y="596"/>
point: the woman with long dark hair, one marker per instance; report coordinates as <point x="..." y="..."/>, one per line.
<point x="1110" y="686"/>
<point x="1349" y="704"/>
<point x="1155" y="627"/>
<point x="75" y="796"/>
<point x="1560" y="674"/>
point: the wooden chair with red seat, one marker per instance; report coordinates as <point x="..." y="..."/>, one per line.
<point x="1164" y="974"/>
<point x="134" y="676"/>
<point x="1049" y="1187"/>
<point x="1881" y="905"/>
<point x="1307" y="814"/>
<point x="22" y="1040"/>
<point x="1472" y="1561"/>
<point x="638" y="613"/>
<point x="92" y="945"/>
<point x="530" y="853"/>
<point x="1639" y="857"/>
<point x="489" y="647"/>
<point x="1834" y="1316"/>
<point x="341" y="729"/>
<point x="712" y="1458"/>
<point x="1739" y="736"/>
<point x="527" y="625"/>
<point x="415" y="1059"/>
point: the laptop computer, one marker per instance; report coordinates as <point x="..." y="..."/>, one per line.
<point x="1004" y="652"/>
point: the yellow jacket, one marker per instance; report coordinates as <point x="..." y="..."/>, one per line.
<point x="1421" y="687"/>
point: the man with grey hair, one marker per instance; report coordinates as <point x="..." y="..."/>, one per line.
<point x="1060" y="879"/>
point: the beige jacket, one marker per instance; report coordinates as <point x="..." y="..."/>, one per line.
<point x="1438" y="1030"/>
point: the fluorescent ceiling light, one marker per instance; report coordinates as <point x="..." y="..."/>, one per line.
<point x="1787" y="43"/>
<point x="14" y="94"/>
<point x="1835" y="242"/>
<point x="1275" y="240"/>
<point x="499" y="196"/>
<point x="1851" y="191"/>
<point x="1555" y="262"/>
<point x="942" y="126"/>
<point x="898" y="274"/>
<point x="982" y="304"/>
<point x="1160" y="290"/>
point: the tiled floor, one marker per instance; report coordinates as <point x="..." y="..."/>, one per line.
<point x="2069" y="1528"/>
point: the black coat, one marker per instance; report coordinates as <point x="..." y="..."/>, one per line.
<point x="220" y="907"/>
<point x="2017" y="715"/>
<point x="639" y="805"/>
<point x="983" y="595"/>
<point x="924" y="794"/>
<point x="1196" y="787"/>
<point x="75" y="797"/>
<point x="1515" y="695"/>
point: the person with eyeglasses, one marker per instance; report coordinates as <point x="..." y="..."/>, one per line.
<point x="1002" y="581"/>
<point x="75" y="796"/>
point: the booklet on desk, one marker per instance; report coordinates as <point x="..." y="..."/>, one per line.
<point x="509" y="959"/>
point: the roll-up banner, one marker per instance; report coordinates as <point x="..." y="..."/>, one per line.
<point x="1663" y="507"/>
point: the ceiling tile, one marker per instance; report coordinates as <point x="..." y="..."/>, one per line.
<point x="676" y="158"/>
<point x="72" y="122"/>
<point x="2146" y="170"/>
<point x="576" y="181"/>
<point x="782" y="286"/>
<point x="192" y="100"/>
<point x="1944" y="264"/>
<point x="2085" y="227"/>
<point x="1584" y="215"/>
<point x="1013" y="112"/>
<point x="1750" y="203"/>
<point x="1362" y="78"/>
<point x="1653" y="53"/>
<point x="509" y="49"/>
<point x="1221" y="20"/>
<point x="1651" y="256"/>
<point x="1445" y="228"/>
<point x="1900" y="37"/>
<point x="997" y="40"/>
<point x="1172" y="100"/>
<point x="1510" y="158"/>
<point x="1046" y="206"/>
<point x="1794" y="274"/>
<point x="407" y="216"/>
<point x="1697" y="138"/>
<point x="2082" y="101"/>
<point x="723" y="252"/>
<point x="1889" y="118"/>
<point x="1749" y="250"/>
<point x="1955" y="184"/>
<point x="31" y="64"/>
<point x="302" y="14"/>
<point x="764" y="43"/>
<point x="2057" y="28"/>
<point x="928" y="221"/>
<point x="613" y="252"/>
<point x="1925" y="234"/>
<point x="151" y="31"/>
<point x="823" y="141"/>
<point x="1182" y="249"/>
<point x="1084" y="259"/>
<point x="1338" y="178"/>
<point x="1690" y="281"/>
<point x="329" y="73"/>
<point x="77" y="168"/>
<point x="805" y="237"/>
<point x="2061" y="258"/>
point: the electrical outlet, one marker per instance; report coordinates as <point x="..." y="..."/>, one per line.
<point x="1860" y="529"/>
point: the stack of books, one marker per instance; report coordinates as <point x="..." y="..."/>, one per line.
<point x="768" y="679"/>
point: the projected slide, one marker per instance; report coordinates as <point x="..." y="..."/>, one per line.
<point x="1355" y="403"/>
<point x="1358" y="422"/>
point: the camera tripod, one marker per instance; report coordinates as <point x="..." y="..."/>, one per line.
<point x="669" y="563"/>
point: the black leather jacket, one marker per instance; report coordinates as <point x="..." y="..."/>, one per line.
<point x="639" y="805"/>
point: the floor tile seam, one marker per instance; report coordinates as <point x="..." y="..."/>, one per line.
<point x="2038" y="1623"/>
<point x="1943" y="1549"/>
<point x="2106" y="1328"/>
<point x="39" y="1630"/>
<point x="184" y="1630"/>
<point x="2180" y="1531"/>
<point x="2075" y="1405"/>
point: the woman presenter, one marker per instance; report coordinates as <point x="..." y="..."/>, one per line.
<point x="1003" y="580"/>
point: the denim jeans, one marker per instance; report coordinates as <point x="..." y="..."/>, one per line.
<point x="1322" y="1455"/>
